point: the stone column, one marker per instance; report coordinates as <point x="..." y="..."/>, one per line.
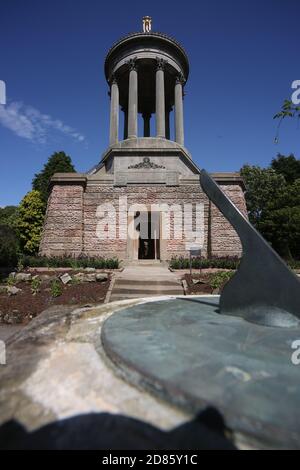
<point x="160" y="99"/>
<point x="179" y="133"/>
<point x="114" y="112"/>
<point x="146" y="117"/>
<point x="168" y="110"/>
<point x="132" y="100"/>
<point x="125" y="134"/>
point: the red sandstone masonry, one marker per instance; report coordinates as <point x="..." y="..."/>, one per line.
<point x="71" y="221"/>
<point x="224" y="239"/>
<point x="63" y="229"/>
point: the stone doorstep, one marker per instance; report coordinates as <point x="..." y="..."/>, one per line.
<point x="150" y="273"/>
<point x="147" y="286"/>
<point x="147" y="292"/>
<point x="138" y="282"/>
<point x="118" y="297"/>
<point x="148" y="289"/>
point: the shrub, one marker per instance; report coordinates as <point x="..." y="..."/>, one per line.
<point x="35" y="285"/>
<point x="29" y="222"/>
<point x="56" y="288"/>
<point x="8" y="247"/>
<point x="11" y="280"/>
<point x="68" y="262"/>
<point x="294" y="264"/>
<point x="222" y="263"/>
<point x="217" y="280"/>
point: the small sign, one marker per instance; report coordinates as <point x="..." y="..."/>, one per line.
<point x="193" y="248"/>
<point x="195" y="251"/>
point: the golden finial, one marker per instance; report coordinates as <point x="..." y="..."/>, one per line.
<point x="147" y="23"/>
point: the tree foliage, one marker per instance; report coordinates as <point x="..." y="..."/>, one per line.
<point x="29" y="222"/>
<point x="289" y="167"/>
<point x="8" y="246"/>
<point x="273" y="202"/>
<point x="263" y="186"/>
<point x="59" y="162"/>
<point x="288" y="110"/>
<point x="8" y="215"/>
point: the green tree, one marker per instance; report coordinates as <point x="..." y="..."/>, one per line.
<point x="29" y="222"/>
<point x="274" y="205"/>
<point x="282" y="222"/>
<point x="263" y="186"/>
<point x="59" y="162"/>
<point x="8" y="215"/>
<point x="289" y="167"/>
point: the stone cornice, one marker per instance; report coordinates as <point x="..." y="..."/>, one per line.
<point x="68" y="178"/>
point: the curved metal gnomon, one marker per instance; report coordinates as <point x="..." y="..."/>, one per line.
<point x="263" y="290"/>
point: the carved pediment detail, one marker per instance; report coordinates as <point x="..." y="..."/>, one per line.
<point x="145" y="164"/>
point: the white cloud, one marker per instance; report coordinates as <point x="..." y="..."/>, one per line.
<point x="31" y="124"/>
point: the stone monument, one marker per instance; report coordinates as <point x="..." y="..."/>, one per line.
<point x="146" y="73"/>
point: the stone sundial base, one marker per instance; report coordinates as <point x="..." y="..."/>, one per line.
<point x="186" y="352"/>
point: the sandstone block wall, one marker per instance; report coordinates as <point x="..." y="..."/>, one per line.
<point x="72" y="218"/>
<point x="224" y="239"/>
<point x="146" y="195"/>
<point x="63" y="228"/>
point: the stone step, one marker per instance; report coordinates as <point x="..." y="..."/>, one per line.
<point x="146" y="292"/>
<point x="144" y="262"/>
<point x="138" y="282"/>
<point x="115" y="297"/>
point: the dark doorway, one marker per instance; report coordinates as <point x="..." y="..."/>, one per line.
<point x="149" y="235"/>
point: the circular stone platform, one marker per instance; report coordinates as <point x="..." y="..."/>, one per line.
<point x="189" y="354"/>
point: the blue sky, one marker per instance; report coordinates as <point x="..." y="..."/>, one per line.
<point x="244" y="55"/>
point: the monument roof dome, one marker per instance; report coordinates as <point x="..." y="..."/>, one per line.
<point x="146" y="40"/>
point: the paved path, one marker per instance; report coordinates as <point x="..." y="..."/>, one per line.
<point x="145" y="279"/>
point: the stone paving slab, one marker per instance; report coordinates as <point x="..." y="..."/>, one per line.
<point x="56" y="370"/>
<point x="184" y="351"/>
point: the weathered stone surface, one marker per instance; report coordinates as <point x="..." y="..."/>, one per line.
<point x="100" y="277"/>
<point x="56" y="370"/>
<point x="12" y="290"/>
<point x="23" y="277"/>
<point x="79" y="277"/>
